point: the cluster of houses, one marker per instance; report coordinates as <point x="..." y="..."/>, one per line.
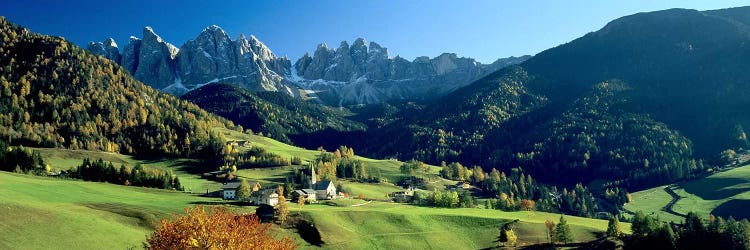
<point x="317" y="190"/>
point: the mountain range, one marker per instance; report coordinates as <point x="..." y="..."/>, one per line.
<point x="356" y="74"/>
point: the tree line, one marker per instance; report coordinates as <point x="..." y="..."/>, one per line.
<point x="520" y="191"/>
<point x="22" y="160"/>
<point x="694" y="233"/>
<point x="140" y="176"/>
<point x="254" y="157"/>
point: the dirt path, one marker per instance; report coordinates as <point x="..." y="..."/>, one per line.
<point x="368" y="202"/>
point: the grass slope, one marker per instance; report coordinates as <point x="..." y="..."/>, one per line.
<point x="381" y="225"/>
<point x="725" y="194"/>
<point x="46" y="213"/>
<point x="63" y="159"/>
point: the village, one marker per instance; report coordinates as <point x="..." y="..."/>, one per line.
<point x="315" y="191"/>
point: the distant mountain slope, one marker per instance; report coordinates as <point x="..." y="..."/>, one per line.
<point x="277" y="115"/>
<point x="684" y="88"/>
<point x="56" y="94"/>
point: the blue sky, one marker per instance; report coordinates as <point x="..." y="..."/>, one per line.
<point x="485" y="30"/>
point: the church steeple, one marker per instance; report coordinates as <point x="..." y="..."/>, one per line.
<point x="313" y="177"/>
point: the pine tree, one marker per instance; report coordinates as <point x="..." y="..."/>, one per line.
<point x="562" y="231"/>
<point x="613" y="228"/>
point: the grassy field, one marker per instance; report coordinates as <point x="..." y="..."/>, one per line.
<point x="44" y="213"/>
<point x="47" y="213"/>
<point x="380" y="225"/>
<point x="725" y="194"/>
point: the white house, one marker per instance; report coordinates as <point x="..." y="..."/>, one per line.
<point x="265" y="196"/>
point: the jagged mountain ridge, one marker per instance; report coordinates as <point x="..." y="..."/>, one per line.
<point x="367" y="74"/>
<point x="354" y="74"/>
<point x="209" y="58"/>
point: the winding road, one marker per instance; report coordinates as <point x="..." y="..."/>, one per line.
<point x="669" y="208"/>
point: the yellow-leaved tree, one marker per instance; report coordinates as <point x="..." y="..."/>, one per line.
<point x="214" y="228"/>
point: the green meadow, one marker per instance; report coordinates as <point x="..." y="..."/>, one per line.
<point x="724" y="194"/>
<point x="48" y="213"/>
<point x="44" y="213"/>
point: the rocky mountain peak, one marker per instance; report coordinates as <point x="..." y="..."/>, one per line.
<point x="377" y="52"/>
<point x="107" y="48"/>
<point x="359" y="42"/>
<point x="110" y="42"/>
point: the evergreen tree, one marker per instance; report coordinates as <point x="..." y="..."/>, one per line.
<point x="562" y="231"/>
<point x="613" y="228"/>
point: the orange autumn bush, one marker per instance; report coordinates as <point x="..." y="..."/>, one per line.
<point x="214" y="228"/>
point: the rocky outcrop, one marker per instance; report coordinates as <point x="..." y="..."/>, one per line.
<point x="156" y="65"/>
<point x="108" y="49"/>
<point x="130" y="55"/>
<point x="367" y="74"/>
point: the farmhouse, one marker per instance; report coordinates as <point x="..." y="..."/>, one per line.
<point x="403" y="196"/>
<point x="308" y="194"/>
<point x="239" y="143"/>
<point x="265" y="196"/>
<point x="325" y="190"/>
<point x="229" y="190"/>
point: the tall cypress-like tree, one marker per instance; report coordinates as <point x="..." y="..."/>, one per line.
<point x="613" y="228"/>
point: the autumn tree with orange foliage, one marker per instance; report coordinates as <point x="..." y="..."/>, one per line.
<point x="214" y="228"/>
<point x="527" y="205"/>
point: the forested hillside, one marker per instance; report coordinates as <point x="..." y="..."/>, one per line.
<point x="637" y="103"/>
<point x="275" y="114"/>
<point x="55" y="94"/>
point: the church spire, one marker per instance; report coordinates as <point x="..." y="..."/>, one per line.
<point x="313" y="177"/>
